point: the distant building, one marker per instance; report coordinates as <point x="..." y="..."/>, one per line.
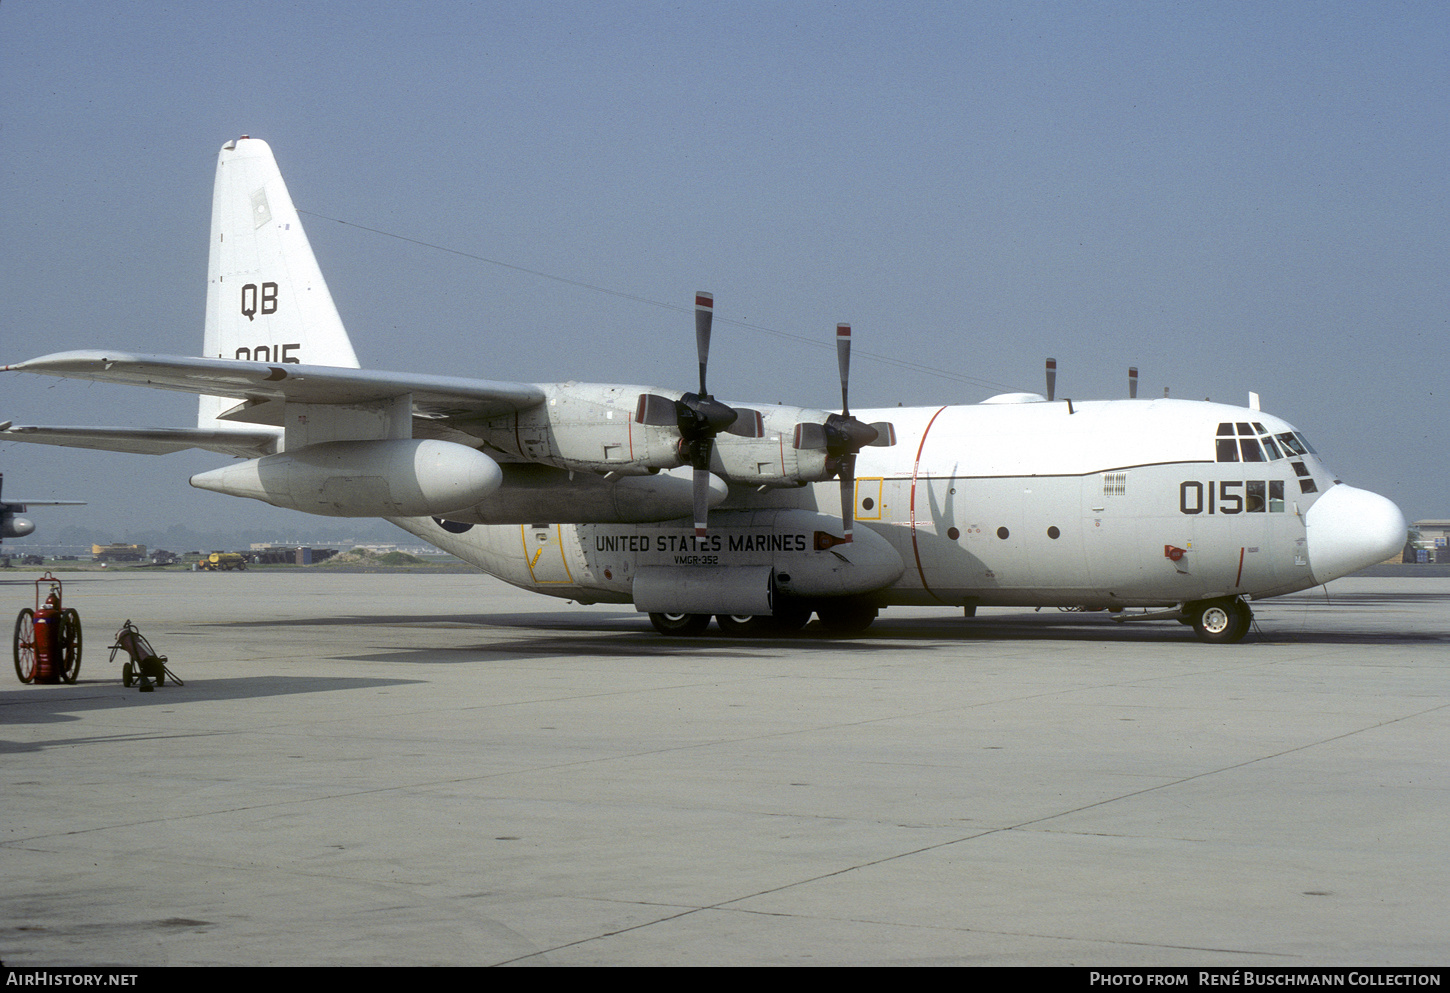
<point x="1433" y="544"/>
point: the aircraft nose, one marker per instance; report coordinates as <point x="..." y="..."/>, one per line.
<point x="1348" y="529"/>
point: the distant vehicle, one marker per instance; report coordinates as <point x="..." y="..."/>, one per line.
<point x="222" y="562"/>
<point x="118" y="551"/>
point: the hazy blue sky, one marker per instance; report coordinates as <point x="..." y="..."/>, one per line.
<point x="1231" y="196"/>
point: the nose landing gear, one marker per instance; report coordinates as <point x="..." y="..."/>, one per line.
<point x="1220" y="621"/>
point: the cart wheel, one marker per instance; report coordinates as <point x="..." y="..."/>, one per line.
<point x="161" y="675"/>
<point x="127" y="676"/>
<point x="70" y="640"/>
<point x="25" y="645"/>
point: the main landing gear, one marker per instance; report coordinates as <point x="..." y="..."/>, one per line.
<point x="837" y="619"/>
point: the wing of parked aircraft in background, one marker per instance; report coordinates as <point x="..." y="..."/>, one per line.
<point x="13" y="526"/>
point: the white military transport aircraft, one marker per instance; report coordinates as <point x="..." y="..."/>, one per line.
<point x="758" y="515"/>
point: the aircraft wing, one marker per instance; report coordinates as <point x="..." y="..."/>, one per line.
<point x="22" y="502"/>
<point x="444" y="396"/>
<point x="248" y="444"/>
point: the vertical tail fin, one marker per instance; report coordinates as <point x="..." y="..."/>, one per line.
<point x="266" y="300"/>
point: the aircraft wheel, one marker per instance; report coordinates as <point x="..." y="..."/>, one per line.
<point x="25" y="645"/>
<point x="1222" y="621"/>
<point x="763" y="625"/>
<point x="740" y="625"/>
<point x="70" y="640"/>
<point x="682" y="625"/>
<point x="846" y="618"/>
<point x="789" y="618"/>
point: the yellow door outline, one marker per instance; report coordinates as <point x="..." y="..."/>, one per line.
<point x="869" y="488"/>
<point x="542" y="569"/>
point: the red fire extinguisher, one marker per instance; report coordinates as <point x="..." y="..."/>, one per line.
<point x="48" y="638"/>
<point x="47" y="641"/>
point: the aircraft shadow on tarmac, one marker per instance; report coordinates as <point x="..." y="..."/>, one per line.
<point x="61" y="703"/>
<point x="626" y="633"/>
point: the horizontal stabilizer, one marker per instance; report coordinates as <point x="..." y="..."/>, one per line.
<point x="149" y="441"/>
<point x="294" y="383"/>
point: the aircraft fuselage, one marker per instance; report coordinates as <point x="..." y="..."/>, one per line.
<point x="1128" y="503"/>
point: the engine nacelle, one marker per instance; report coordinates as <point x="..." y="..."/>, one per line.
<point x="595" y="428"/>
<point x="16" y="527"/>
<point x="534" y="493"/>
<point x="387" y="478"/>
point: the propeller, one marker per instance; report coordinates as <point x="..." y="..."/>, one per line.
<point x="699" y="416"/>
<point x="1132" y="382"/>
<point x="843" y="436"/>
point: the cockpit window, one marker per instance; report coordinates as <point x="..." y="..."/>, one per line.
<point x="1242" y="441"/>
<point x="1292" y="443"/>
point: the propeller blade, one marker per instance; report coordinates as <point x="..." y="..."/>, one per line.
<point x="848" y="495"/>
<point x="704" y="317"/>
<point x="702" y="501"/>
<point x="843" y="359"/>
<point x="1051" y="378"/>
<point x="809" y="436"/>
<point x="1132" y="382"/>
<point x="748" y="423"/>
<point x="656" y="411"/>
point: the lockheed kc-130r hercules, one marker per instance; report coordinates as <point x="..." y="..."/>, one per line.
<point x="757" y="515"/>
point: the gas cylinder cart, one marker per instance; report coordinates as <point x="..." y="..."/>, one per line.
<point x="48" y="638"/>
<point x="143" y="664"/>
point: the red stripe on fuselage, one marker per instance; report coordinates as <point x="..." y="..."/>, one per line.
<point x="915" y="468"/>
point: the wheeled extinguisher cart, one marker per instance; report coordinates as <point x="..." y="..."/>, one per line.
<point x="48" y="638"/>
